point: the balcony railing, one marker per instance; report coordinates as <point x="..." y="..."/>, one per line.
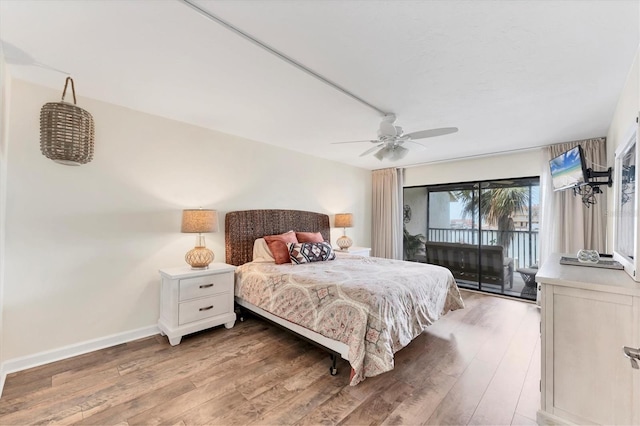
<point x="523" y="248"/>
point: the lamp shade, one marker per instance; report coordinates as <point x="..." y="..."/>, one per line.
<point x="344" y="220"/>
<point x="199" y="220"/>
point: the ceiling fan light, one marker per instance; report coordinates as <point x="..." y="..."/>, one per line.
<point x="398" y="153"/>
<point x="380" y="154"/>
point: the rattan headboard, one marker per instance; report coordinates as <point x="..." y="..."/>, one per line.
<point x="241" y="229"/>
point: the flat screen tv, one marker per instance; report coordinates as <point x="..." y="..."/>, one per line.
<point x="569" y="170"/>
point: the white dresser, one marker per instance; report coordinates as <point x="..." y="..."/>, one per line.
<point x="588" y="316"/>
<point x="192" y="300"/>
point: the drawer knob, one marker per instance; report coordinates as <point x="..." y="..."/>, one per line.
<point x="206" y="285"/>
<point x="207" y="308"/>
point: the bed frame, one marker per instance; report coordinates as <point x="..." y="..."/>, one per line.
<point x="242" y="228"/>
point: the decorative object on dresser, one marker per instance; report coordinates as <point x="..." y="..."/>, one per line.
<point x="199" y="221"/>
<point x="344" y="221"/>
<point x="193" y="300"/>
<point x="66" y="131"/>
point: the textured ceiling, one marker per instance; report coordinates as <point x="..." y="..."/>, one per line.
<point x="509" y="74"/>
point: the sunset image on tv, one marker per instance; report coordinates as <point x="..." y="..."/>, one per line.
<point x="566" y="169"/>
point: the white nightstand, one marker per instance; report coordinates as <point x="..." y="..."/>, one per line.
<point x="358" y="251"/>
<point x="192" y="300"/>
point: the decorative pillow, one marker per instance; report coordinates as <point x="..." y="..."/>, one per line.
<point x="309" y="237"/>
<point x="310" y="252"/>
<point x="261" y="252"/>
<point x="278" y="246"/>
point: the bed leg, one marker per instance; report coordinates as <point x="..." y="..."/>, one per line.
<point x="240" y="312"/>
<point x="333" y="370"/>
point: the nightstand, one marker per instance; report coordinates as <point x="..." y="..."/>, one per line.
<point x="358" y="251"/>
<point x="192" y="300"/>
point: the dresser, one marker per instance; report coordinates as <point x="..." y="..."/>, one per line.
<point x="193" y="300"/>
<point x="588" y="315"/>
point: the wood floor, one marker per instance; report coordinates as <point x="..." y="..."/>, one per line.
<point x="479" y="365"/>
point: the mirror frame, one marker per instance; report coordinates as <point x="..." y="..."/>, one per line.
<point x="630" y="263"/>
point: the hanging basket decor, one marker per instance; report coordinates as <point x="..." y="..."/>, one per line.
<point x="66" y="131"/>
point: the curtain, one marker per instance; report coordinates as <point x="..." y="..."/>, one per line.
<point x="387" y="213"/>
<point x="567" y="224"/>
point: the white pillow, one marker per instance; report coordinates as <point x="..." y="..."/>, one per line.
<point x="261" y="252"/>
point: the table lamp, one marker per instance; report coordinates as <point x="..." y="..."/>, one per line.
<point x="344" y="221"/>
<point x="199" y="221"/>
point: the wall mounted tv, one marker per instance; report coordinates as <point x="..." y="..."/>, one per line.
<point x="569" y="170"/>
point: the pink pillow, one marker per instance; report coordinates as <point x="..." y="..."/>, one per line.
<point x="309" y="237"/>
<point x="278" y="246"/>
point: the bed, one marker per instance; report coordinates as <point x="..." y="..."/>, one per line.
<point x="358" y="308"/>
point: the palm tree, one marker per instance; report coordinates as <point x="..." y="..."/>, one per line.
<point x="497" y="206"/>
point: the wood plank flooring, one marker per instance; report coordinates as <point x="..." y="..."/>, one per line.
<point x="479" y="365"/>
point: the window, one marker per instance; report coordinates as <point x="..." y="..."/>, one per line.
<point x="485" y="232"/>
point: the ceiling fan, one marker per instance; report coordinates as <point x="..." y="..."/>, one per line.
<point x="392" y="139"/>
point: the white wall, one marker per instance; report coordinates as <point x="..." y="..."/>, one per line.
<point x="416" y="199"/>
<point x="623" y="119"/>
<point x="513" y="165"/>
<point x="84" y="244"/>
<point x="5" y="90"/>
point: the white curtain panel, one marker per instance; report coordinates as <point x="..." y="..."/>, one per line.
<point x="387" y="213"/>
<point x="567" y="224"/>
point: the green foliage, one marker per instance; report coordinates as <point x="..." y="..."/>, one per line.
<point x="412" y="244"/>
<point x="497" y="206"/>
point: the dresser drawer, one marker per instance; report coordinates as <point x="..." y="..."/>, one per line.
<point x="191" y="288"/>
<point x="207" y="307"/>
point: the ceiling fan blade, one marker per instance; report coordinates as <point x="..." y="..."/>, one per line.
<point x="432" y="132"/>
<point x="338" y="143"/>
<point x="415" y="145"/>
<point x="370" y="150"/>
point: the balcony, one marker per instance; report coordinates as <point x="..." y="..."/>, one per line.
<point x="523" y="252"/>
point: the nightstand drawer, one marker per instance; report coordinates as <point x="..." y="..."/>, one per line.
<point x="203" y="308"/>
<point x="191" y="288"/>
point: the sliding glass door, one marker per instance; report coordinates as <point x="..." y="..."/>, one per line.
<point x="485" y="232"/>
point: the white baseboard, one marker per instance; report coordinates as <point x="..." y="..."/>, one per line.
<point x="35" y="360"/>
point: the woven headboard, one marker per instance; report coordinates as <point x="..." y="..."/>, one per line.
<point x="242" y="228"/>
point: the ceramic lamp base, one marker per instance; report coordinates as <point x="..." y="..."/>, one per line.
<point x="344" y="243"/>
<point x="199" y="257"/>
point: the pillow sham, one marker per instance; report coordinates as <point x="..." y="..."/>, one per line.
<point x="278" y="246"/>
<point x="310" y="252"/>
<point x="309" y="237"/>
<point x="261" y="252"/>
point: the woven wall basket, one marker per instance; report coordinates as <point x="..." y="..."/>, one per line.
<point x="66" y="131"/>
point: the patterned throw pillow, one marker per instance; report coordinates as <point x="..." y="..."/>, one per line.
<point x="310" y="252"/>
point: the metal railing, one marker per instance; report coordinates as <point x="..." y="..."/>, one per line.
<point x="523" y="248"/>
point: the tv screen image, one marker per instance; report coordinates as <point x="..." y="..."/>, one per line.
<point x="568" y="169"/>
